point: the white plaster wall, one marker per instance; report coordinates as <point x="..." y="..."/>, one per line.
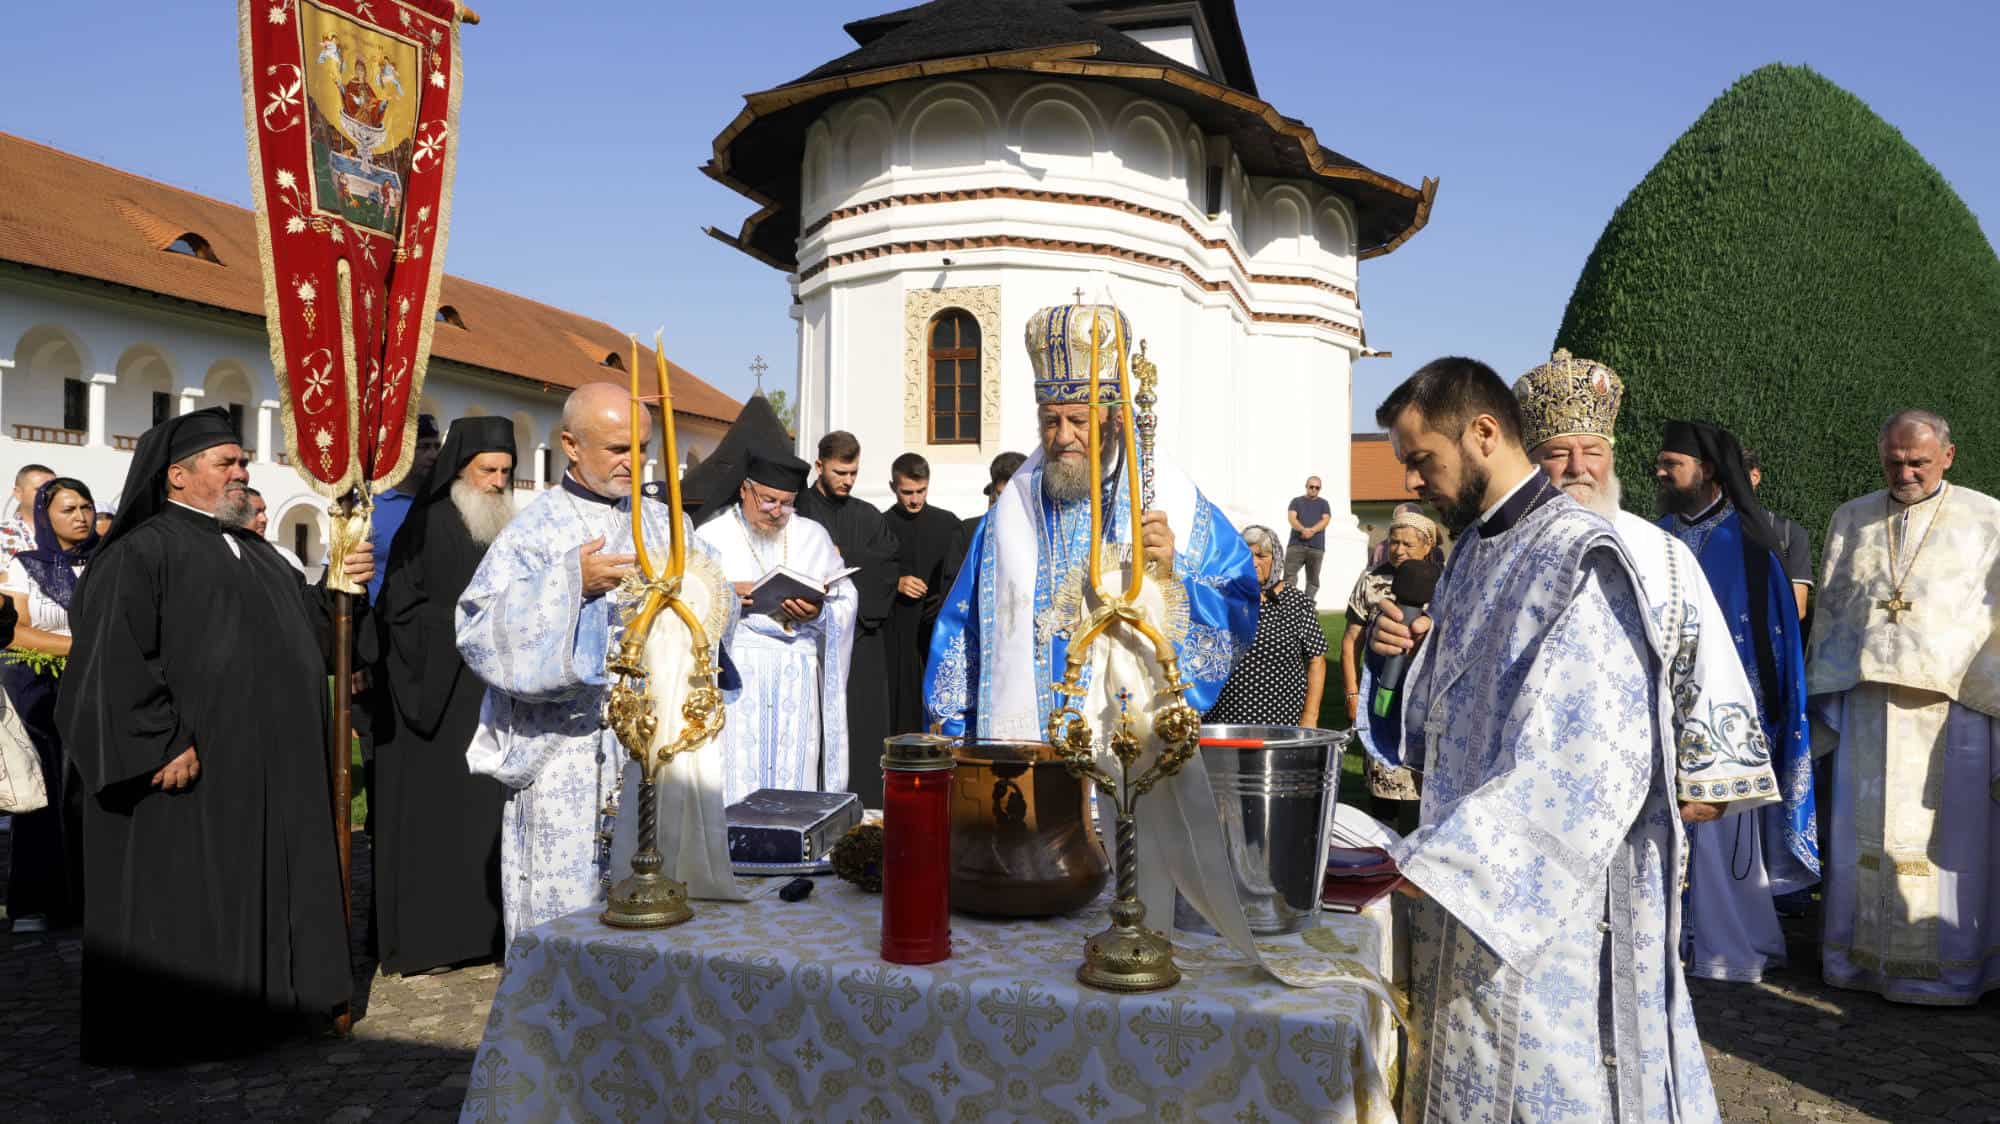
<point x="201" y="359"/>
<point x="1249" y="407"/>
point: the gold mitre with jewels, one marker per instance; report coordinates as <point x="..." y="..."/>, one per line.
<point x="1059" y="343"/>
<point x="1567" y="396"/>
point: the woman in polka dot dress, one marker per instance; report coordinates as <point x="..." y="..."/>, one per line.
<point x="1279" y="680"/>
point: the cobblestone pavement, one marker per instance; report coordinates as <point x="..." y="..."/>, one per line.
<point x="1788" y="1050"/>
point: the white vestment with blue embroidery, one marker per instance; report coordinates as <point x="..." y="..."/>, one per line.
<point x="787" y="725"/>
<point x="525" y="628"/>
<point x="1545" y="981"/>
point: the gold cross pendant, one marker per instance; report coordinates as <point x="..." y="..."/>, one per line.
<point x="1895" y="606"/>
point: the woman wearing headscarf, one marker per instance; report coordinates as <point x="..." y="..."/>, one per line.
<point x="45" y="885"/>
<point x="1412" y="534"/>
<point x="1279" y="680"/>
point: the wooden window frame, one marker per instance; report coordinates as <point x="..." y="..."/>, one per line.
<point x="932" y="357"/>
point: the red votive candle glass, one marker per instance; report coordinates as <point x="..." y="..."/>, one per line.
<point x="916" y="848"/>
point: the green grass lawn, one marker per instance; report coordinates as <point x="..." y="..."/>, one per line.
<point x="1333" y="713"/>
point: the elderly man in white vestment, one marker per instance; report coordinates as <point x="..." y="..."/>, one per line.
<point x="1730" y="930"/>
<point x="535" y="625"/>
<point x="1545" y="983"/>
<point x="787" y="725"/>
<point x="1569" y="410"/>
<point x="1904" y="683"/>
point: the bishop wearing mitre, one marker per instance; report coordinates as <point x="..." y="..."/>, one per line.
<point x="1904" y="683"/>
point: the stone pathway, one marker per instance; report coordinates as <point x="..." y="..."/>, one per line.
<point x="1786" y="1051"/>
<point x="409" y="1058"/>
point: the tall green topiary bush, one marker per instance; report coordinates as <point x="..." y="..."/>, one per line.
<point x="1794" y="271"/>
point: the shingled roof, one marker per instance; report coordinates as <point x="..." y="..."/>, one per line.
<point x="73" y="216"/>
<point x="1374" y="474"/>
<point x="1232" y="61"/>
<point x="759" y="155"/>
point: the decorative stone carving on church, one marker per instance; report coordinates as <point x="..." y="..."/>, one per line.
<point x="919" y="307"/>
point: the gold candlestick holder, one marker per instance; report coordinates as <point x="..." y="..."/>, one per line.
<point x="1127" y="956"/>
<point x="649" y="898"/>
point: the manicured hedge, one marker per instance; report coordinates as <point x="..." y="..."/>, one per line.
<point x="1793" y="270"/>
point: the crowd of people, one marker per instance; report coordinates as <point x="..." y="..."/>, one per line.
<point x="1601" y="711"/>
<point x="1616" y="726"/>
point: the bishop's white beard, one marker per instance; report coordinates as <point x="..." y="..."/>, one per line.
<point x="1065" y="481"/>
<point x="1602" y="500"/>
<point x="485" y="513"/>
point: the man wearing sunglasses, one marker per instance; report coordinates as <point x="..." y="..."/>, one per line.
<point x="1308" y="515"/>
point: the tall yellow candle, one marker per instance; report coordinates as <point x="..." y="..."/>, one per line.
<point x="677" y="554"/>
<point x="1131" y="456"/>
<point x="1096" y="463"/>
<point x="638" y="521"/>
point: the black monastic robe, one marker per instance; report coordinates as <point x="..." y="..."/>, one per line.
<point x="434" y="825"/>
<point x="930" y="546"/>
<point x="212" y="915"/>
<point x="864" y="539"/>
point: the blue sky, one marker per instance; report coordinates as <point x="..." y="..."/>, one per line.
<point x="583" y="125"/>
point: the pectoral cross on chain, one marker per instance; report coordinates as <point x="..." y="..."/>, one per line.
<point x="1895" y="606"/>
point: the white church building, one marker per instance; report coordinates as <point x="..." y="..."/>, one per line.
<point x="972" y="161"/>
<point x="124" y="301"/>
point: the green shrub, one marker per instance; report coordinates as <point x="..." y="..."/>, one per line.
<point x="1794" y="271"/>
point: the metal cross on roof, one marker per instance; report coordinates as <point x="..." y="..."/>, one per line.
<point x="1079" y="294"/>
<point x="757" y="369"/>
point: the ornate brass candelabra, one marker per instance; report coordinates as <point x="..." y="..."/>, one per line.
<point x="650" y="899"/>
<point x="1127" y="956"/>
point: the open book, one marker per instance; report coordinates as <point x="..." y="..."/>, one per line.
<point x="786" y="584"/>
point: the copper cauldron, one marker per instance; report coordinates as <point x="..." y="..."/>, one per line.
<point x="1022" y="842"/>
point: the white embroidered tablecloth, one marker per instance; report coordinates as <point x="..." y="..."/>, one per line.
<point x="769" y="1011"/>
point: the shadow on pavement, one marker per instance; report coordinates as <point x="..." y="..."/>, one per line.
<point x="1795" y="1048"/>
<point x="409" y="1056"/>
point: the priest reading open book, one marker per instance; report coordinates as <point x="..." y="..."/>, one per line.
<point x="781" y="583"/>
<point x="787" y="725"/>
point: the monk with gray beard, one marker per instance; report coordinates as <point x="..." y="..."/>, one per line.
<point x="435" y="825"/>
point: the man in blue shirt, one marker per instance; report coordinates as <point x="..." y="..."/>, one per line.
<point x="1308" y="515"/>
<point x="392" y="506"/>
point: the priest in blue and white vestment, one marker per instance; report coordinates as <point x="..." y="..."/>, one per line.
<point x="1003" y="634"/>
<point x="787" y="725"/>
<point x="1569" y="408"/>
<point x="535" y="624"/>
<point x="1739" y="865"/>
<point x="1545" y="983"/>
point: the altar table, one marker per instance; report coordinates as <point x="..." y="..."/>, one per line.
<point x="774" y="1012"/>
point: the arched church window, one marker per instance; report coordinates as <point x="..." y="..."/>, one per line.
<point x="954" y="381"/>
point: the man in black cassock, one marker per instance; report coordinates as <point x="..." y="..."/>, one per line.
<point x="194" y="707"/>
<point x="929" y="547"/>
<point x="865" y="540"/>
<point x="435" y="825"/>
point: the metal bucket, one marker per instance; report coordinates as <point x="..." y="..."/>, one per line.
<point x="1276" y="787"/>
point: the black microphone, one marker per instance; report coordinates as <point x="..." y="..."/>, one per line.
<point x="1416" y="580"/>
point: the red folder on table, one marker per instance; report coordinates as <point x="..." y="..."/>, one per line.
<point x="1358" y="877"/>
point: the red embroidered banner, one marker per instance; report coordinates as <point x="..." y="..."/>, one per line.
<point x="351" y="107"/>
